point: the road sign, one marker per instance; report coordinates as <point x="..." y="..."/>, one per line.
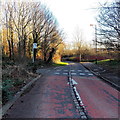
<point x="74" y="82"/>
<point x="34" y="45"/>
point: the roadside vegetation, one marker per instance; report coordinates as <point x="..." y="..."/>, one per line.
<point x="28" y="23"/>
<point x="23" y="24"/>
<point x="60" y="64"/>
<point x="110" y="64"/>
<point x="16" y="75"/>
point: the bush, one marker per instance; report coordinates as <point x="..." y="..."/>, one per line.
<point x="7" y="94"/>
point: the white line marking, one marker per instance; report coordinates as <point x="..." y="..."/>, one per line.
<point x="73" y="73"/>
<point x="86" y="71"/>
<point x="90" y="74"/>
<point x="79" y="70"/>
<point x="72" y="70"/>
<point x="56" y="73"/>
<point x="82" y="73"/>
<point x="58" y="70"/>
<point x="65" y="73"/>
<point x="65" y="70"/>
<point x="74" y="82"/>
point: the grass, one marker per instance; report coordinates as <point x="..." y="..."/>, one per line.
<point x="104" y="61"/>
<point x="60" y="64"/>
<point x="111" y="63"/>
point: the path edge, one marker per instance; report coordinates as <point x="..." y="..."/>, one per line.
<point x="104" y="79"/>
<point x="7" y="106"/>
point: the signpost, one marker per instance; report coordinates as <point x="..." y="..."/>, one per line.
<point x="34" y="54"/>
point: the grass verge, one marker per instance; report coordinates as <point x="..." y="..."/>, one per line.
<point x="60" y="64"/>
<point x="109" y="62"/>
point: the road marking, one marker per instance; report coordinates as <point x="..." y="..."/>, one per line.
<point x="79" y="70"/>
<point x="86" y="71"/>
<point x="73" y="73"/>
<point x="72" y="70"/>
<point x="74" y="82"/>
<point x="90" y="74"/>
<point x="65" y="73"/>
<point x="82" y="73"/>
<point x="56" y="73"/>
<point x="65" y="70"/>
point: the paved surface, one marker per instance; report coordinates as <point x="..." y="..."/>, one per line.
<point x="100" y="99"/>
<point x="111" y="76"/>
<point x="51" y="96"/>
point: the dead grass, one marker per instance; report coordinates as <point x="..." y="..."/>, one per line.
<point x="14" y="77"/>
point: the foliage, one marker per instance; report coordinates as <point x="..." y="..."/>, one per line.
<point x="8" y="84"/>
<point x="26" y="23"/>
<point x="60" y="64"/>
<point x="14" y="76"/>
<point x="110" y="62"/>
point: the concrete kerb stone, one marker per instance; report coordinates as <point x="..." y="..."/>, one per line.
<point x="5" y="108"/>
<point x="76" y="98"/>
<point x="106" y="80"/>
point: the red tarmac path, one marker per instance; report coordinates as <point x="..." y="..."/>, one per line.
<point x="100" y="100"/>
<point x="49" y="98"/>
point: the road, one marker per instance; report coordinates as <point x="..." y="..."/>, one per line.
<point x="52" y="97"/>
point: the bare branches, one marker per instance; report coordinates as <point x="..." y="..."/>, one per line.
<point x="109" y="24"/>
<point x="31" y="23"/>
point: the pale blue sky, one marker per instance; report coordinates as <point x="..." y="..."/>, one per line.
<point x="72" y="14"/>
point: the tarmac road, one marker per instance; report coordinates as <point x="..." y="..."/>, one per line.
<point x="100" y="99"/>
<point x="51" y="96"/>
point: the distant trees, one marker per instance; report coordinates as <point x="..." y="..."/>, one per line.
<point x="78" y="44"/>
<point x="78" y="48"/>
<point x="27" y="23"/>
<point x="109" y="25"/>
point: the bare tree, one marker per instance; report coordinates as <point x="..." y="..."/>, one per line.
<point x="20" y="19"/>
<point x="29" y="23"/>
<point x="52" y="37"/>
<point x="109" y="25"/>
<point x="78" y="38"/>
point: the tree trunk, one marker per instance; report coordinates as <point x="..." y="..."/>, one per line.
<point x="9" y="44"/>
<point x="24" y="45"/>
<point x="19" y="48"/>
<point x="44" y="56"/>
<point x="51" y="55"/>
<point x="12" y="46"/>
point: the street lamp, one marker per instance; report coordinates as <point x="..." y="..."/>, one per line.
<point x="95" y="39"/>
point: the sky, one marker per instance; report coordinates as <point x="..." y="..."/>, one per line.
<point x="74" y="14"/>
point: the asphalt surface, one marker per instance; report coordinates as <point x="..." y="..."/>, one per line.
<point x="100" y="99"/>
<point x="51" y="96"/>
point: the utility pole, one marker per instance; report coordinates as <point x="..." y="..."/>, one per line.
<point x="96" y="41"/>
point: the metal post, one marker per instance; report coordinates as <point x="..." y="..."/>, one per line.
<point x="33" y="56"/>
<point x="34" y="51"/>
<point x="96" y="41"/>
